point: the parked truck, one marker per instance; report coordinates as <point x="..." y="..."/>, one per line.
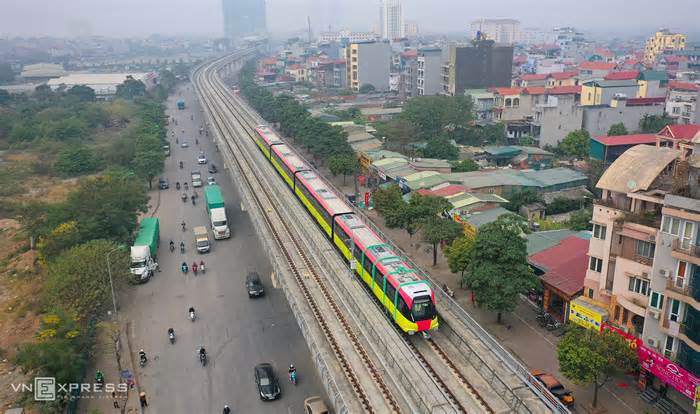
<point x="217" y="212"/>
<point x="201" y="239"/>
<point x="145" y="250"/>
<point x="181" y="104"/>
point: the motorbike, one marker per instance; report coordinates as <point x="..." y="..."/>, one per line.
<point x="187" y="186"/>
<point x="201" y="267"/>
<point x="203" y="358"/>
<point x="177" y="185"/>
<point x="293" y="377"/>
<point x="192" y="198"/>
<point x="99" y="380"/>
<point x="554" y="325"/>
<point x="184" y="227"/>
<point x="192" y="315"/>
<point x="184" y="268"/>
<point x="171" y="335"/>
<point x="182" y="247"/>
<point x="194" y="268"/>
<point x="172" y="246"/>
<point x="182" y="165"/>
<point x="142" y="359"/>
<point x="184" y="197"/>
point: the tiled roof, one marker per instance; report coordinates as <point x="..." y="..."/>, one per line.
<point x="632" y="139"/>
<point x="534" y="90"/>
<point x="611" y="83"/>
<point x="508" y="91"/>
<point x="683" y="132"/>
<point x="533" y="76"/>
<point x="675" y="59"/>
<point x="625" y="74"/>
<point x="563" y="75"/>
<point x="269" y="61"/>
<point x="597" y="66"/>
<point x="446" y="191"/>
<point x="564" y="90"/>
<point x="645" y="101"/>
<point x="683" y="86"/>
<point x="565" y="264"/>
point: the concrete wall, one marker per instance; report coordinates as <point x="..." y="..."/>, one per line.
<point x="483" y="66"/>
<point x="429" y="71"/>
<point x="373" y="62"/>
<point x="559" y="120"/>
<point x="598" y="119"/>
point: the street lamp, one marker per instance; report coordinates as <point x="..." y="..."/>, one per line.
<point x="111" y="283"/>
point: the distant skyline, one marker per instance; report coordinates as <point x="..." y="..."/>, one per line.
<point x="133" y="18"/>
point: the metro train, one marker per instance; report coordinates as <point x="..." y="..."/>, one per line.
<point x="407" y="298"/>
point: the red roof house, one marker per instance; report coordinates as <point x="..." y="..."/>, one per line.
<point x="597" y="66"/>
<point x="622" y="75"/>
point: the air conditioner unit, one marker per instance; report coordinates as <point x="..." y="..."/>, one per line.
<point x="653" y="342"/>
<point x="664" y="273"/>
<point x="655" y="314"/>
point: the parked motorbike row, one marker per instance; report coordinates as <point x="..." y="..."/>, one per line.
<point x="548" y="321"/>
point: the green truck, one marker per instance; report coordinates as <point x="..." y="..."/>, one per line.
<point x="145" y="249"/>
<point x="217" y="212"/>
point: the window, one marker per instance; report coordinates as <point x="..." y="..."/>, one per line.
<point x="657" y="300"/>
<point x="638" y="285"/>
<point x="668" y="348"/>
<point x="688" y="228"/>
<point x="590" y="293"/>
<point x="625" y="316"/>
<point x="643" y="248"/>
<point x="671" y="225"/>
<point x="681" y="273"/>
<point x="617" y="312"/>
<point x="676" y="110"/>
<point x="596" y="264"/>
<point x="599" y="231"/>
<point x="674" y="312"/>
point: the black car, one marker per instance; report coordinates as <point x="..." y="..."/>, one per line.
<point x="267" y="384"/>
<point x="213" y="169"/>
<point x="163" y="183"/>
<point x="254" y="285"/>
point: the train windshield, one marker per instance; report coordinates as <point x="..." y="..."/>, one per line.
<point x="423" y="308"/>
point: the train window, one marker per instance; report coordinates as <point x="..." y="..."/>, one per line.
<point x="282" y="164"/>
<point x="342" y="235"/>
<point x="423" y="308"/>
<point x="403" y="308"/>
<point x="390" y="291"/>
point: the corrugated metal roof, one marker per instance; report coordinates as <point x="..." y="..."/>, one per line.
<point x="636" y="169"/>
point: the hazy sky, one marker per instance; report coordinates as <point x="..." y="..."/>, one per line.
<point x="124" y="18"/>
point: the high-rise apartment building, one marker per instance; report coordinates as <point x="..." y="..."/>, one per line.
<point x="391" y="19"/>
<point x="368" y="63"/>
<point x="661" y="41"/>
<point x="429" y="67"/>
<point x="481" y="64"/>
<point x="505" y="31"/>
<point x="244" y="18"/>
<point x="411" y="28"/>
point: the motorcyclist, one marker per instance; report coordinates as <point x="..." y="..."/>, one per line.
<point x="177" y="185"/>
<point x="183" y="225"/>
<point x="184" y="267"/>
<point x="191" y="313"/>
<point x="192" y="198"/>
<point x="181" y="164"/>
<point x="227" y="410"/>
<point x="142" y="356"/>
<point x="196" y="141"/>
<point x="172" y="245"/>
<point x="187" y="186"/>
<point x="171" y="334"/>
<point x="182" y="247"/>
<point x="201" y="266"/>
<point x="292" y="373"/>
<point x="99" y="377"/>
<point x="194" y="267"/>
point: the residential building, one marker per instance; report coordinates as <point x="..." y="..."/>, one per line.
<point x="504" y="31"/>
<point x="42" y="71"/>
<point x="429" y="66"/>
<point x="411" y="29"/>
<point x="328" y="73"/>
<point x="481" y="64"/>
<point x="662" y="41"/>
<point x="556" y="117"/>
<point x="244" y="18"/>
<point x="594" y="70"/>
<point x="391" y="19"/>
<point x="625" y="224"/>
<point x="609" y="148"/>
<point x="652" y="84"/>
<point x="679" y="137"/>
<point x="536" y="36"/>
<point x="597" y="119"/>
<point x="682" y="102"/>
<point x="601" y="92"/>
<point x="346" y="36"/>
<point x="504" y="182"/>
<point x="368" y="63"/>
<point x="483" y="103"/>
<point x="511" y="104"/>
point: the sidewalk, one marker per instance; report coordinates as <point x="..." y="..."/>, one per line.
<point x="111" y="362"/>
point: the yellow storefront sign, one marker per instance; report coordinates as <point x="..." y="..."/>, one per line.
<point x="581" y="315"/>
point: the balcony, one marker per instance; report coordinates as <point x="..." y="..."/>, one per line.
<point x="686" y="251"/>
<point x="647" y="218"/>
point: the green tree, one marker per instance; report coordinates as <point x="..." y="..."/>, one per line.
<point x="387" y="199"/>
<point x="32" y="216"/>
<point x="466" y="165"/>
<point x="651" y="124"/>
<point x="83" y="93"/>
<point x="459" y="254"/>
<point x="581" y="220"/>
<point x="436" y="230"/>
<point x="43" y="92"/>
<point x="588" y="357"/>
<point x="398" y="133"/>
<point x="441" y="148"/>
<point x="75" y="160"/>
<point x="148" y="164"/>
<point x="5" y="97"/>
<point x="131" y="88"/>
<point x="7" y="75"/>
<point x="522" y="198"/>
<point x="562" y="205"/>
<point x="498" y="271"/>
<point x="69" y="128"/>
<point x="576" y="144"/>
<point x="78" y="279"/>
<point x="342" y="164"/>
<point x="367" y="88"/>
<point x="617" y="129"/>
<point x="439" y="116"/>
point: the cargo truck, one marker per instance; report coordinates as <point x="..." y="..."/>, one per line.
<point x="201" y="239"/>
<point x="180" y="104"/>
<point x="217" y="212"/>
<point x="145" y="250"/>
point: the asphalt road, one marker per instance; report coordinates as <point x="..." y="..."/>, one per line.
<point x="237" y="332"/>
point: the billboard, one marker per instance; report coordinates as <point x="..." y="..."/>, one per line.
<point x="585" y="317"/>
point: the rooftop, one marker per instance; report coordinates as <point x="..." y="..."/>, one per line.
<point x="533" y="76"/>
<point x="478" y="219"/>
<point x="564" y="264"/>
<point x="424" y="179"/>
<point x="563" y="75"/>
<point x="632" y="139"/>
<point x="626" y="175"/>
<point x="94" y="79"/>
<point x="517" y="178"/>
<point x="447" y="191"/>
<point x="623" y="75"/>
<point x="507" y="91"/>
<point x="652" y="75"/>
<point x="611" y="83"/>
<point x="681" y="132"/>
<point x="597" y="66"/>
<point x="683" y="86"/>
<point x="469" y="199"/>
<point x="564" y="90"/>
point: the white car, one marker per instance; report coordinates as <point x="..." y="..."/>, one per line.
<point x="184" y="144"/>
<point x="211" y="180"/>
<point x="202" y="159"/>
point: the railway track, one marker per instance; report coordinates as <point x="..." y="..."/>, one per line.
<point x="294" y="253"/>
<point x="442" y="356"/>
